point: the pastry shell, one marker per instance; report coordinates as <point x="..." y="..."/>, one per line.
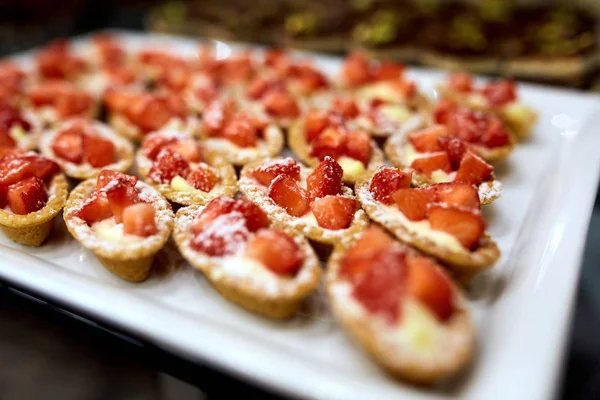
<point x="298" y="145"/>
<point x="489" y="190"/>
<point x="123" y="151"/>
<point x="131" y="261"/>
<point x="277" y="299"/>
<point x="33" y="228"/>
<point x="463" y="264"/>
<point x="455" y="347"/>
<point x="297" y="225"/>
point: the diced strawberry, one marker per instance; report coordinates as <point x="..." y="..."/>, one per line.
<point x="261" y="85"/>
<point x="457" y="194"/>
<point x="468" y="125"/>
<point x="188" y="149"/>
<point x="357" y="259"/>
<point x="461" y="82"/>
<point x="331" y="142"/>
<point x="315" y="122"/>
<point x="286" y="193"/>
<point x="224" y="235"/>
<point x="333" y="212"/>
<point x="386" y="181"/>
<point x="5" y="151"/>
<point x="120" y="196"/>
<point x="388" y="71"/>
<point x="139" y="219"/>
<point x="98" y="151"/>
<point x="151" y="113"/>
<point x="444" y="109"/>
<point x="73" y="102"/>
<point x="241" y="130"/>
<point x="95" y="209"/>
<point x="308" y="79"/>
<point x="454" y="147"/>
<point x="433" y="162"/>
<point x="107" y="176"/>
<point x="413" y="202"/>
<point x="382" y="287"/>
<point x="202" y="177"/>
<point x="276" y="250"/>
<point x="345" y="107"/>
<point x="358" y="146"/>
<point x="356" y="70"/>
<point x="325" y="180"/>
<point x="254" y="216"/>
<point x="27" y="196"/>
<point x="68" y="145"/>
<point x="281" y="104"/>
<point x="6" y="140"/>
<point x="267" y="172"/>
<point x="430" y="286"/>
<point x="273" y="57"/>
<point x="500" y="93"/>
<point x="464" y="224"/>
<point x="404" y="88"/>
<point x="153" y="144"/>
<point x="426" y="140"/>
<point x="496" y="134"/>
<point x="168" y="165"/>
<point x="220" y="205"/>
<point x="473" y="169"/>
<point x="17" y="167"/>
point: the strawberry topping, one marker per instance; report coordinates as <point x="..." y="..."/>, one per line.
<point x="333" y="212"/>
<point x="276" y="250"/>
<point x="388" y="180"/>
<point x="325" y="180"/>
<point x="267" y="172"/>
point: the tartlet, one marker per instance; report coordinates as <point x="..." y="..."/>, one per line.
<point x="84" y="147"/>
<point x="53" y="101"/>
<point x="179" y="168"/>
<point x="265" y="271"/>
<point x="313" y="203"/>
<point x="35" y="194"/>
<point x="99" y="220"/>
<point x="400" y="307"/>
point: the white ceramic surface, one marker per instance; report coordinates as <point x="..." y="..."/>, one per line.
<point x="521" y="307"/>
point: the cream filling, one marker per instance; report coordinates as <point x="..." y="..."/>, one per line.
<point x="518" y="113"/>
<point x="350" y="166"/>
<point x="17" y="133"/>
<point x="112" y="232"/>
<point x="181" y="185"/>
<point x="381" y="91"/>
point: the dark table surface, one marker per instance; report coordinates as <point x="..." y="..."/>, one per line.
<point x="47" y="350"/>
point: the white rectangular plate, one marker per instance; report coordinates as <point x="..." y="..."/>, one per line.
<point x="521" y="307"/>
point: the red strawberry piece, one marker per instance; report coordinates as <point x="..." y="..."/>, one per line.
<point x="218" y="206"/>
<point x="473" y="169"/>
<point x="40" y="167"/>
<point x="496" y="134"/>
<point x="345" y="107"/>
<point x="6" y="140"/>
<point x="98" y="151"/>
<point x="357" y="259"/>
<point x="202" y="177"/>
<point x="153" y="144"/>
<point x="5" y="151"/>
<point x="468" y="125"/>
<point x="151" y="113"/>
<point x="386" y="181"/>
<point x="216" y="115"/>
<point x="17" y="167"/>
<point x="224" y="235"/>
<point x="404" y="88"/>
<point x="261" y="85"/>
<point x="461" y="82"/>
<point x="443" y="111"/>
<point x="413" y="202"/>
<point x="254" y="216"/>
<point x="356" y="70"/>
<point x="139" y="219"/>
<point x="457" y="194"/>
<point x="267" y="172"/>
<point x="95" y="209"/>
<point x="358" y="146"/>
<point x="331" y="142"/>
<point x="429" y="285"/>
<point x="11" y="116"/>
<point x="241" y="131"/>
<point x="464" y="224"/>
<point x="500" y="93"/>
<point x="426" y="140"/>
<point x="120" y="196"/>
<point x="325" y="180"/>
<point x="68" y="145"/>
<point x="27" y="196"/>
<point x="315" y="122"/>
<point x="107" y="176"/>
<point x="382" y="287"/>
<point x="281" y="104"/>
<point x="168" y="165"/>
<point x="333" y="212"/>
<point x="188" y="149"/>
<point x="433" y="162"/>
<point x="454" y="147"/>
<point x="388" y="71"/>
<point x="72" y="103"/>
<point x="276" y="250"/>
<point x="286" y="193"/>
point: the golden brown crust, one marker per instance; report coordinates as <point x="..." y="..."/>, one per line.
<point x="464" y="264"/>
<point x="123" y="150"/>
<point x="489" y="190"/>
<point x="297" y="226"/>
<point x="279" y="299"/>
<point x="454" y="351"/>
<point x="298" y="145"/>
